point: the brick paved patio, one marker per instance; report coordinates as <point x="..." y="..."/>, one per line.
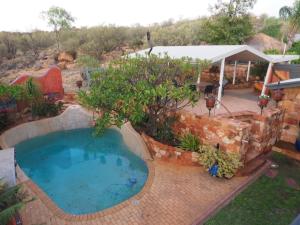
<point x="177" y="195"/>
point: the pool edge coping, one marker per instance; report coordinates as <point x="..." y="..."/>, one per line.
<point x="52" y="206"/>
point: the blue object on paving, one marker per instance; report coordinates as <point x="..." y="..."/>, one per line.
<point x="296" y="221"/>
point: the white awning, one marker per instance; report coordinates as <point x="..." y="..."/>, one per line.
<point x="215" y="53"/>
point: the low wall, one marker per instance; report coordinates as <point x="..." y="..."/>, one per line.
<point x="74" y="117"/>
<point x="246" y="133"/>
<point x="228" y="133"/>
<point x="171" y="154"/>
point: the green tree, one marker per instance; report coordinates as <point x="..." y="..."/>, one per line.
<point x="230" y="22"/>
<point x="8" y="41"/>
<point x="143" y="91"/>
<point x="272" y="26"/>
<point x="59" y="19"/>
<point x="292" y="16"/>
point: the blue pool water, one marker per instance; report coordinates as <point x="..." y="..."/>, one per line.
<point x="82" y="173"/>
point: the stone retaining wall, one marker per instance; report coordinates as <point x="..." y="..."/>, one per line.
<point x="291" y="105"/>
<point x="246" y="133"/>
<point x="171" y="154"/>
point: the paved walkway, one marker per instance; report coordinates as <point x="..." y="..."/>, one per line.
<point x="178" y="195"/>
<point x="234" y="100"/>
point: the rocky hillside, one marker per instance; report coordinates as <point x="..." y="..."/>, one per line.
<point x="10" y="69"/>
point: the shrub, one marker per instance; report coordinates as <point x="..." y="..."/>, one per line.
<point x="46" y="108"/>
<point x="88" y="61"/>
<point x="142" y="90"/>
<point x="228" y="162"/>
<point x="4" y="122"/>
<point x="190" y="142"/>
<point x="11" y="201"/>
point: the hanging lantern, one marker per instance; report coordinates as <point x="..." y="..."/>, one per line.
<point x="210" y="102"/>
<point x="263" y="101"/>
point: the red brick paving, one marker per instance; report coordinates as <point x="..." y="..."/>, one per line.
<point x="177" y="195"/>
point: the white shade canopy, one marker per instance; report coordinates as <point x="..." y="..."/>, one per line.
<point x="215" y="53"/>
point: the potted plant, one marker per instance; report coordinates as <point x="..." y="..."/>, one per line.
<point x="11" y="201"/>
<point x="297" y="143"/>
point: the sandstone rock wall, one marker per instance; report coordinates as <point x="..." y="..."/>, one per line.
<point x="291" y="105"/>
<point x="246" y="133"/>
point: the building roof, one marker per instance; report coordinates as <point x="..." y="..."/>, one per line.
<point x="291" y="83"/>
<point x="213" y="53"/>
<point x="263" y="42"/>
<point x="283" y="58"/>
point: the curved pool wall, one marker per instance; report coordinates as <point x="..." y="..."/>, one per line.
<point x="74" y="117"/>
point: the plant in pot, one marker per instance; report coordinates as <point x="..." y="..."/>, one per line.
<point x="12" y="200"/>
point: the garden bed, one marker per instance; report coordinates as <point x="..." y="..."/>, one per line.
<point x="170" y="153"/>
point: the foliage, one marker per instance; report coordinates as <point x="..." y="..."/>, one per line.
<point x="190" y="142"/>
<point x="228" y="163"/>
<point x="272" y="52"/>
<point x="230" y="23"/>
<point x="165" y="133"/>
<point x="4" y="121"/>
<point x="103" y="39"/>
<point x="8" y="45"/>
<point x="295" y="50"/>
<point x="33" y="92"/>
<point x="271" y="200"/>
<point x="292" y="16"/>
<point x="271" y="26"/>
<point x="14" y="43"/>
<point x="11" y="91"/>
<point x="143" y="90"/>
<point x="260" y="69"/>
<point x="39" y="105"/>
<point x="46" y="108"/>
<point x="227" y="30"/>
<point x="88" y="61"/>
<point x="11" y="201"/>
<point x="59" y="19"/>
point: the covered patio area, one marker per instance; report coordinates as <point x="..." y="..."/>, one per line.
<point x="232" y="101"/>
<point x="220" y="55"/>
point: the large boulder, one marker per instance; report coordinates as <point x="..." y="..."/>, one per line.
<point x="65" y="57"/>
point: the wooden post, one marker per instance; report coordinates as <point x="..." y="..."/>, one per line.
<point x="234" y="73"/>
<point x="267" y="78"/>
<point x="248" y="70"/>
<point x="221" y="82"/>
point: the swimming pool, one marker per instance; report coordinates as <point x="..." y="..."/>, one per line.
<point x="82" y="173"/>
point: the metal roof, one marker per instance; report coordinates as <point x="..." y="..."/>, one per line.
<point x="283" y="58"/>
<point x="291" y="83"/>
<point x="213" y="53"/>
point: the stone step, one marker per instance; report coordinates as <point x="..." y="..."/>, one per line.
<point x="253" y="166"/>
